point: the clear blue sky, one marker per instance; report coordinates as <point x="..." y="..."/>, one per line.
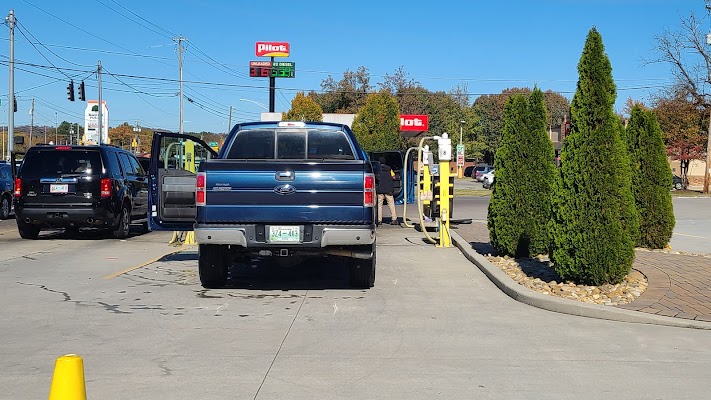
<point x="490" y="45"/>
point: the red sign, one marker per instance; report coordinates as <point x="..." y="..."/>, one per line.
<point x="272" y="49"/>
<point x="413" y="123"/>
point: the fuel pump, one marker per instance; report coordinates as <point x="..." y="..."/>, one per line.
<point x="426" y="182"/>
<point x="444" y="145"/>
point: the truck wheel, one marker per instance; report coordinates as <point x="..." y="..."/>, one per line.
<point x="363" y="271"/>
<point x="5" y="207"/>
<point x="28" y="231"/>
<point x="213" y="264"/>
<point x="124" y="225"/>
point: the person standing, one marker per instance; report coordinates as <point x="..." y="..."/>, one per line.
<point x="385" y="190"/>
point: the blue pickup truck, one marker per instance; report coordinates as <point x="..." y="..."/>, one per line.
<point x="276" y="189"/>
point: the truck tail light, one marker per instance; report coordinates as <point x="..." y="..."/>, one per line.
<point x="200" y="189"/>
<point x="105" y="187"/>
<point x="18" y="187"/>
<point x="369" y="190"/>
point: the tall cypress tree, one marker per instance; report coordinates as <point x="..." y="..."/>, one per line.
<point x="595" y="223"/>
<point x="520" y="205"/>
<point x="651" y="179"/>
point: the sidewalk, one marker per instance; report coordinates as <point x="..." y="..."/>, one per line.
<point x="679" y="285"/>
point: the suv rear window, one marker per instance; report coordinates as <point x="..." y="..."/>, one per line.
<point x="291" y="144"/>
<point x="53" y="163"/>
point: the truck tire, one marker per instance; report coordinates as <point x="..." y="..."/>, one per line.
<point x="124" y="225"/>
<point x="28" y="231"/>
<point x="213" y="265"/>
<point x="363" y="271"/>
<point x="5" y="205"/>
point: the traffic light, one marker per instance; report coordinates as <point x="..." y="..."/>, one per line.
<point x="82" y="97"/>
<point x="70" y="90"/>
<point x="14" y="103"/>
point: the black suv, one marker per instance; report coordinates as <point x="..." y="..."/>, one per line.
<point x="75" y="187"/>
<point x="6" y="186"/>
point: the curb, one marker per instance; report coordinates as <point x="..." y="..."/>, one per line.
<point x="565" y="306"/>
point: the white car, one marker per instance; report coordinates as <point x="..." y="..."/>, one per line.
<point x="488" y="179"/>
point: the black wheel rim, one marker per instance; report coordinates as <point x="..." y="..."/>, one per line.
<point x="5" y="207"/>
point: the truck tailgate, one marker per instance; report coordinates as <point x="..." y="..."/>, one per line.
<point x="329" y="192"/>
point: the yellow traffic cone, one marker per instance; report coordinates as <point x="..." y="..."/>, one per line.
<point x="68" y="379"/>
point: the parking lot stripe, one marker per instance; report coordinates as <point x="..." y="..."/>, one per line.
<point x="135" y="267"/>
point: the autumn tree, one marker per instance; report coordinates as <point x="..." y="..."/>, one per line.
<point x="122" y="135"/>
<point x="651" y="179"/>
<point x="682" y="123"/>
<point x="377" y="124"/>
<point x="595" y="223"/>
<point x="347" y="95"/>
<point x="303" y="108"/>
<point x="690" y="58"/>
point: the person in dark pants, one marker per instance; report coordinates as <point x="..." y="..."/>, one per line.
<point x="385" y="189"/>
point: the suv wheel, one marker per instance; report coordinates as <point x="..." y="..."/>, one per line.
<point x="124" y="225"/>
<point x="363" y="271"/>
<point x="678" y="186"/>
<point x="28" y="231"/>
<point x="213" y="265"/>
<point x="5" y="207"/>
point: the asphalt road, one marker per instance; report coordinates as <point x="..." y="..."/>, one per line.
<point x="433" y="327"/>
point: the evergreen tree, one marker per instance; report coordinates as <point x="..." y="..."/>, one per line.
<point x="595" y="223"/>
<point x="651" y="179"/>
<point x="377" y="124"/>
<point x="520" y="204"/>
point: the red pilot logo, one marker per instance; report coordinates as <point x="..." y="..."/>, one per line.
<point x="413" y="123"/>
<point x="272" y="49"/>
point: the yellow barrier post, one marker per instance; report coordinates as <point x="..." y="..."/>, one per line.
<point x="426" y="189"/>
<point x="445" y="155"/>
<point x="68" y="379"/>
<point x="189" y="147"/>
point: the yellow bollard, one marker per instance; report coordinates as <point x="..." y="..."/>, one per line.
<point x="189" y="238"/>
<point x="445" y="150"/>
<point x="68" y="379"/>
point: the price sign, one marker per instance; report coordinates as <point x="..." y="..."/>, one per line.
<point x="267" y="69"/>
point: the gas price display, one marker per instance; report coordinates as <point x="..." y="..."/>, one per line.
<point x="268" y="69"/>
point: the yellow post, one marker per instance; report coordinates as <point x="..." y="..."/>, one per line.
<point x="445" y="155"/>
<point x="68" y="379"/>
<point x="189" y="150"/>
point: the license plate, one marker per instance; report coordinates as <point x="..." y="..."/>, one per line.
<point x="285" y="234"/>
<point x="58" y="188"/>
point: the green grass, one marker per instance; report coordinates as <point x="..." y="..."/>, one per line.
<point x="688" y="193"/>
<point x="471" y="192"/>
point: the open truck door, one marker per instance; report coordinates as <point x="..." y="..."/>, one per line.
<point x="175" y="159"/>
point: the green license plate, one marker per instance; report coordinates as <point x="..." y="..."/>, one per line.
<point x="285" y="234"/>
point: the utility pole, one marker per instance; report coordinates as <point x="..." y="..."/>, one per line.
<point x="32" y="120"/>
<point x="101" y="105"/>
<point x="229" y="122"/>
<point x="136" y="139"/>
<point x="45" y="134"/>
<point x="56" y="134"/>
<point x="11" y="84"/>
<point x="180" y="40"/>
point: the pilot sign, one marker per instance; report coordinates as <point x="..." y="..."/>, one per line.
<point x="268" y="69"/>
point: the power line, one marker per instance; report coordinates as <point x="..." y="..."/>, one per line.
<point x="131" y="19"/>
<point x="171" y="34"/>
<point x="41" y="44"/>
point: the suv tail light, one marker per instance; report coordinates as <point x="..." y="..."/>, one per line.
<point x="105" y="187"/>
<point x="369" y="190"/>
<point x="200" y="189"/>
<point x="18" y="187"/>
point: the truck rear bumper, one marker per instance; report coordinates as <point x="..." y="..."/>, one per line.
<point x="313" y="236"/>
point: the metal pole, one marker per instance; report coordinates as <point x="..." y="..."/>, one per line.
<point x="101" y="114"/>
<point x="180" y="67"/>
<point x="11" y="85"/>
<point x="56" y="137"/>
<point x="32" y="120"/>
<point x="272" y="89"/>
<point x="707" y="173"/>
<point x="45" y="134"/>
<point x="229" y="122"/>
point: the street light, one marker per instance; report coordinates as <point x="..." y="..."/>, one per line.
<point x="257" y="103"/>
<point x="460" y="171"/>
